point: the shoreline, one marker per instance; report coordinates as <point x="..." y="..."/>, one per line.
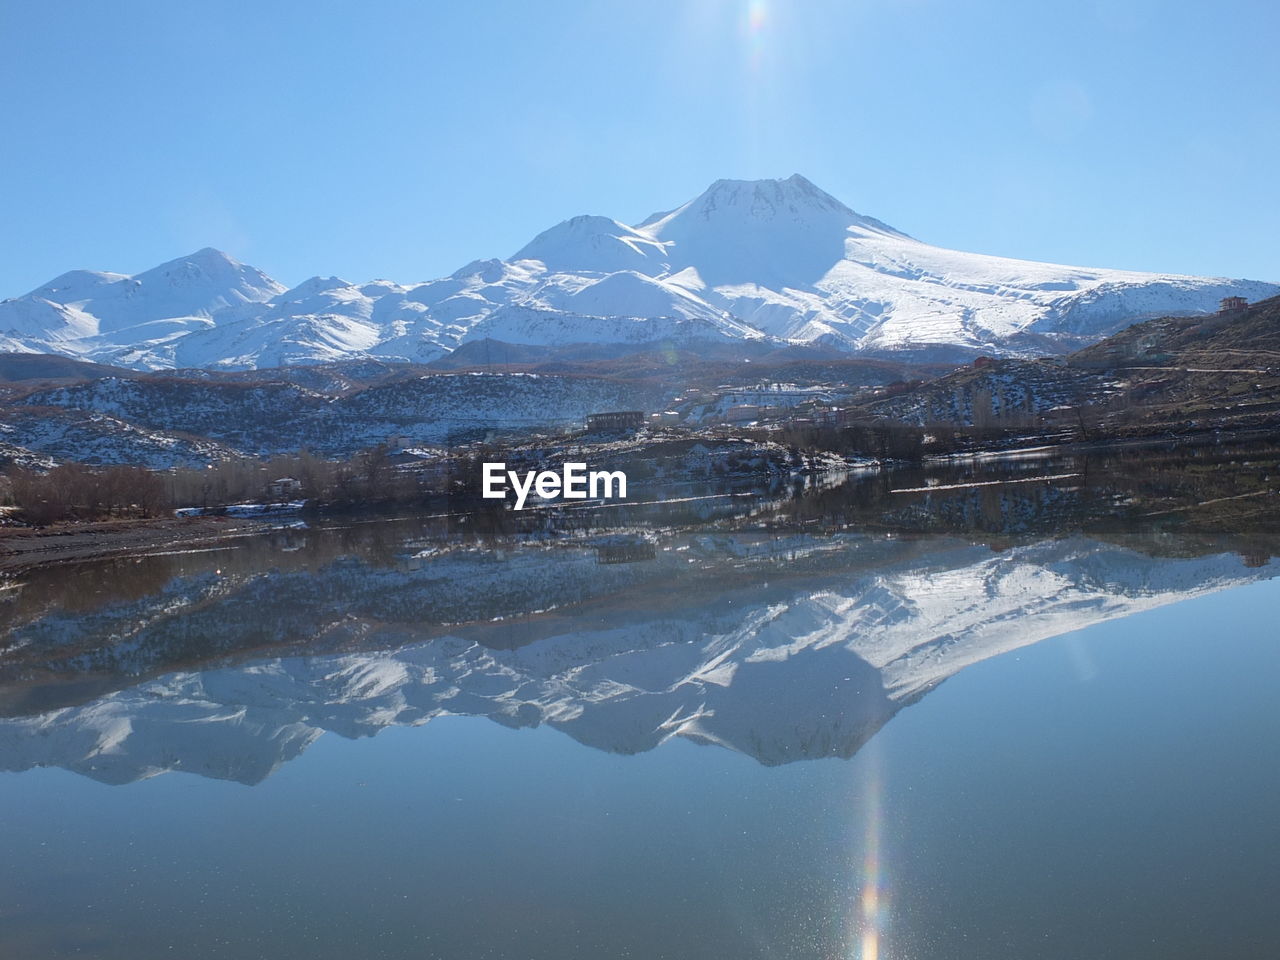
<point x="23" y="548"/>
<point x="1031" y="445"/>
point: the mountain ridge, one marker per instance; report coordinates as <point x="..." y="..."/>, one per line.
<point x="780" y="261"/>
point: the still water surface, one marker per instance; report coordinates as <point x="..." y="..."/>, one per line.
<point x="1023" y="719"/>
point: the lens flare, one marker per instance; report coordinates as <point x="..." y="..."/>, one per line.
<point x="872" y="908"/>
<point x="755" y="28"/>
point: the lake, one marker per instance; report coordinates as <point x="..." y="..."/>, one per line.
<point x="1018" y="708"/>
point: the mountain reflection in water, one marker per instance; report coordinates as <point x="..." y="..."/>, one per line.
<point x="787" y="625"/>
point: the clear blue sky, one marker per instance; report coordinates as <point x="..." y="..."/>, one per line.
<point x="403" y="140"/>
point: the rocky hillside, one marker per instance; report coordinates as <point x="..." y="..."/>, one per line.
<point x="163" y="418"/>
<point x="160" y="421"/>
<point x="1212" y="370"/>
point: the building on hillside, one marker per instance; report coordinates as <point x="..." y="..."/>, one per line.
<point x="742" y="413"/>
<point x="284" y="488"/>
<point x="981" y="362"/>
<point x="1232" y="304"/>
<point x="618" y="421"/>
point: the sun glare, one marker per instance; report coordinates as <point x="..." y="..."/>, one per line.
<point x="871" y="907"/>
<point x="755" y="31"/>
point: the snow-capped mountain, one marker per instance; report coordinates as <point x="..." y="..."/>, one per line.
<point x="746" y="260"/>
<point x="85" y="313"/>
<point x="846" y="632"/>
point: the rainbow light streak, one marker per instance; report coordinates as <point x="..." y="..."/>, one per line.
<point x="754" y="26"/>
<point x="872" y="910"/>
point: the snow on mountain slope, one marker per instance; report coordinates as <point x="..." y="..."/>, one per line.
<point x="760" y="259"/>
<point x="84" y="305"/>
<point x="776" y="234"/>
<point x="590" y="244"/>
<point x="96" y="438"/>
<point x="803" y="667"/>
<point x="558" y="328"/>
<point x="200" y="285"/>
<point x="796" y="263"/>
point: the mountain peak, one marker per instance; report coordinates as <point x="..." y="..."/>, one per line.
<point x="794" y="198"/>
<point x="213" y="255"/>
<point x="594" y="243"/>
<point x="209" y="267"/>
<point x="769" y="197"/>
<point x="313" y="286"/>
<point x="205" y="262"/>
<point x="773" y="233"/>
